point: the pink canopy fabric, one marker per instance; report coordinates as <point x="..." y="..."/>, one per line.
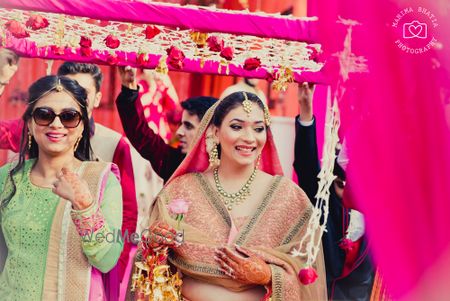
<point x="190" y="17"/>
<point x="398" y="137"/>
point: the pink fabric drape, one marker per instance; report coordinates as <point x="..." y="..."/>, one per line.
<point x="202" y="19"/>
<point x="399" y="142"/>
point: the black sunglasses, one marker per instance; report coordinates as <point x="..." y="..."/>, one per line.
<point x="44" y="116"/>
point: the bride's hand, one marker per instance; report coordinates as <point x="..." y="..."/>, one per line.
<point x="160" y="235"/>
<point x="248" y="270"/>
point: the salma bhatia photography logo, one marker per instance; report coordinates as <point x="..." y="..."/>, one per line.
<point x="414" y="27"/>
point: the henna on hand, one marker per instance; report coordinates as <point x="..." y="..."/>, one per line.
<point x="161" y="235"/>
<point x="72" y="188"/>
<point x="250" y="270"/>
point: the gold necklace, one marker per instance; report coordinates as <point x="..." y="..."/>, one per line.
<point x="231" y="199"/>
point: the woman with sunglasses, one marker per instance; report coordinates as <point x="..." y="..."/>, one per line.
<point x="57" y="207"/>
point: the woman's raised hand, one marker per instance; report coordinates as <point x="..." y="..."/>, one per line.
<point x="71" y="187"/>
<point x="305" y="95"/>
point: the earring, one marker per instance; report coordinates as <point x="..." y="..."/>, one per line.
<point x="29" y="140"/>
<point x="258" y="160"/>
<point x="214" y="156"/>
<point x="76" y="144"/>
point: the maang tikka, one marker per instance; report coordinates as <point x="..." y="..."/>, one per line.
<point x="247" y="104"/>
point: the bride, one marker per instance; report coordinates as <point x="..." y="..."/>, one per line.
<point x="244" y="217"/>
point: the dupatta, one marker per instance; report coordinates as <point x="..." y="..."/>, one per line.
<point x="68" y="273"/>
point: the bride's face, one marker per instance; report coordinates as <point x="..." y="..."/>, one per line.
<point x="242" y="136"/>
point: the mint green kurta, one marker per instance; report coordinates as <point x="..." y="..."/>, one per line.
<point x="26" y="223"/>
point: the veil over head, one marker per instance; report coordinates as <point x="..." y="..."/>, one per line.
<point x="197" y="159"/>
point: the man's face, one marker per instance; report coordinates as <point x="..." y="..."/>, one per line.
<point x="187" y="130"/>
<point x="8" y="67"/>
<point x="339" y="186"/>
<point x="87" y="82"/>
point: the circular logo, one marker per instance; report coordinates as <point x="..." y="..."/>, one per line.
<point x="414" y="28"/>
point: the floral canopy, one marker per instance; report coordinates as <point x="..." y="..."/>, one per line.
<point x="165" y="37"/>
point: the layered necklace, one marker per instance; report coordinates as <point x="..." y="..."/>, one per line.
<point x="231" y="199"/>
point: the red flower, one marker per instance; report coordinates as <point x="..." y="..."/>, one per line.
<point x="86" y="51"/>
<point x="142" y="59"/>
<point x="112" y="41"/>
<point x="271" y="76"/>
<point x="85" y="42"/>
<point x="16" y="29"/>
<point x="151" y="32"/>
<point x="227" y="53"/>
<point x="252" y="63"/>
<point x="215" y="43"/>
<point x="314" y="54"/>
<point x="112" y="59"/>
<point x="307" y="275"/>
<point x="161" y="258"/>
<point x="176" y="57"/>
<point x="123" y="27"/>
<point x="36" y="22"/>
<point x="347" y="245"/>
<point x="103" y="23"/>
<point x="57" y="50"/>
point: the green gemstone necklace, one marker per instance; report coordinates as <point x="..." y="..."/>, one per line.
<point x="231" y="199"/>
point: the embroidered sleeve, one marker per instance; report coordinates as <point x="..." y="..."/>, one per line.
<point x="100" y="227"/>
<point x="89" y="220"/>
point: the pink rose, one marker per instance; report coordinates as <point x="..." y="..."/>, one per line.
<point x="112" y="59"/>
<point x="85" y="42"/>
<point x="58" y="50"/>
<point x="314" y="54"/>
<point x="215" y="43"/>
<point x="227" y="53"/>
<point x="36" y="22"/>
<point x="175" y="57"/>
<point x="151" y="32"/>
<point x="16" y="29"/>
<point x="307" y="275"/>
<point x="252" y="63"/>
<point x="178" y="206"/>
<point x="271" y="76"/>
<point x="112" y="41"/>
<point x="86" y="51"/>
<point x="142" y="59"/>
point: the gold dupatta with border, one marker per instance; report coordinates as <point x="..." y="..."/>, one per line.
<point x="271" y="232"/>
